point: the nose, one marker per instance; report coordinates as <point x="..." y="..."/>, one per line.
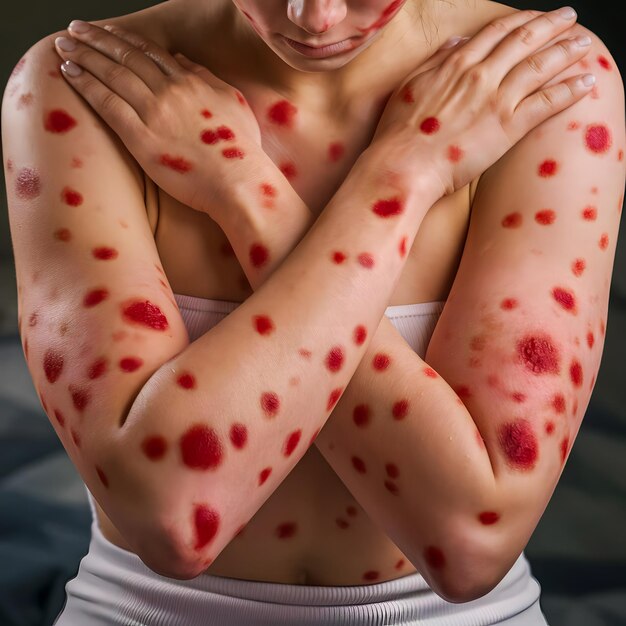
<point x="316" y="16"/>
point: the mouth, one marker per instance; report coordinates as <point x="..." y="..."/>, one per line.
<point x="324" y="51"/>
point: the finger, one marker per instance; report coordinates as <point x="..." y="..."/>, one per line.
<point x="545" y="103"/>
<point x="537" y="69"/>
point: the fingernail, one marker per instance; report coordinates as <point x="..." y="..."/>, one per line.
<point x="65" y="44"/>
<point x="78" y="26"/>
<point x="588" y="80"/>
<point x="452" y="41"/>
<point x="71" y="69"/>
<point x="567" y="13"/>
<point x="583" y="40"/>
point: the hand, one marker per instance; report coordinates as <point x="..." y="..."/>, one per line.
<point x="188" y="130"/>
<point x="481" y="97"/>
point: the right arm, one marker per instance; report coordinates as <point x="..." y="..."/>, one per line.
<point x="168" y="430"/>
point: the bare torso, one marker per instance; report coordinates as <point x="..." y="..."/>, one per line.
<point x="195" y="256"/>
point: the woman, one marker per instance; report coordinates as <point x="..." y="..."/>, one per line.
<point x="189" y="364"/>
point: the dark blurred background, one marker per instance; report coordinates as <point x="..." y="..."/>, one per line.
<point x="578" y="552"/>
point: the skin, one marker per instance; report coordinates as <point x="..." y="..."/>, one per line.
<point x="515" y="444"/>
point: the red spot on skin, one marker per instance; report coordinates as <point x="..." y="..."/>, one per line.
<point x="590" y="339"/>
<point x="338" y="257"/>
<point x="58" y="121"/>
<point x="598" y="138"/>
<point x="392" y="487"/>
<point x="264" y="475"/>
<point x="564" y="446"/>
<point x="358" y="464"/>
<point x="558" y="402"/>
<point x="154" y="447"/>
<point x="402" y="247"/>
<point x="512" y="220"/>
<point x="430" y="125"/>
<point x="434" y="557"/>
<point x="462" y="391"/>
<point x="576" y="373"/>
<point x="578" y="267"/>
<point x="286" y="530"/>
<point x="289" y="170"/>
<point x="400" y="409"/>
<point x="263" y="324"/>
<point x="305" y="353"/>
<point x="282" y="113"/>
<point x="361" y="414"/>
<point x="399" y="564"/>
<point x="565" y="298"/>
<point x="336" y="151"/>
<point x="341" y="523"/>
<point x="371" y="575"/>
<point x="71" y="197"/>
<point x="80" y="397"/>
<point x="268" y="190"/>
<point x="545" y="217"/>
<point x="130" y="363"/>
<point x="178" y="164"/>
<point x="240" y="97"/>
<point x="25" y="100"/>
<point x="381" y="361"/>
<point x="548" y="168"/>
<point x="104" y="253"/>
<point x="59" y="417"/>
<point x="32" y="320"/>
<point x="95" y="296"/>
<point x="186" y="381"/>
<point x="258" y="254"/>
<point x="488" y="517"/>
<point x="392" y="470"/>
<point x="335" y="394"/>
<point x="334" y="359"/>
<point x="388" y="208"/>
<point x="206" y="523"/>
<point x="360" y="335"/>
<point x="291" y="442"/>
<point x="549" y="427"/>
<point x="238" y="435"/>
<point x="206" y="113"/>
<point x="97" y="368"/>
<point x="406" y="95"/>
<point x="102" y="476"/>
<point x="620" y="155"/>
<point x="519" y="444"/>
<point x="518" y="397"/>
<point x="604" y="62"/>
<point x="314" y="437"/>
<point x="28" y="184"/>
<point x="76" y="162"/>
<point x="589" y="213"/>
<point x="603" y="244"/>
<point x="233" y="153"/>
<point x="366" y="260"/>
<point x="455" y="154"/>
<point x="52" y="365"/>
<point x="201" y="447"/>
<point x="430" y="372"/>
<point x="508" y="304"/>
<point x="145" y="313"/>
<point x="538" y="354"/>
<point x="270" y="403"/>
<point x="573" y="126"/>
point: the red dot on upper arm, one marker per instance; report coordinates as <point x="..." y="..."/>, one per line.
<point x="548" y="168"/>
<point x="71" y="196"/>
<point x="58" y="121"/>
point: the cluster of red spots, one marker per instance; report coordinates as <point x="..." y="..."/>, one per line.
<point x="358" y="464"/>
<point x="590" y="339"/>
<point x="604" y="62"/>
<point x="366" y="260"/>
<point x="268" y="190"/>
<point x="488" y="517"/>
<point x="430" y="372"/>
<point x="508" y="304"/>
<point x="58" y="121"/>
<point x="454" y="154"/>
<point x="264" y="475"/>
<point x="338" y="257"/>
<point x="335" y="394"/>
<point x="52" y="365"/>
<point x="578" y="267"/>
<point x="335" y="358"/>
<point x="361" y="415"/>
<point x="558" y="402"/>
<point x="406" y="95"/>
<point x="576" y="373"/>
<point x="400" y="409"/>
<point x="102" y="476"/>
<point x="201" y="447"/>
<point x="430" y="125"/>
<point x="286" y="530"/>
<point x="259" y="254"/>
<point x="335" y="151"/>
<point x="402" y="246"/>
<point x="539" y="354"/>
<point x="589" y="213"/>
<point x="385" y="16"/>
<point x="238" y="435"/>
<point x="206" y="113"/>
<point x="71" y="197"/>
<point x="289" y="170"/>
<point x="270" y="403"/>
<point x="154" y="447"/>
<point x="519" y="444"/>
<point x="97" y="368"/>
<point x="434" y="557"/>
<point x="573" y="125"/>
<point x="518" y="397"/>
<point x="512" y="220"/>
<point x="222" y="133"/>
<point x="598" y="138"/>
<point x="282" y="113"/>
<point x="565" y="298"/>
<point x="603" y="243"/>
<point x="27" y="184"/>
<point x="145" y="313"/>
<point x="206" y="522"/>
<point x="381" y="361"/>
<point x="104" y="253"/>
<point x="548" y="168"/>
<point x="95" y="296"/>
<point x="176" y="163"/>
<point x="130" y="363"/>
<point x="388" y="208"/>
<point x="186" y="381"/>
<point x="291" y="441"/>
<point x="80" y="397"/>
<point x="545" y="217"/>
<point x="263" y="324"/>
<point x="549" y="427"/>
<point x="59" y="416"/>
<point x="233" y="153"/>
<point x="360" y="334"/>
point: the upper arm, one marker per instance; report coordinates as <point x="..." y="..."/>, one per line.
<point x="96" y="317"/>
<point x="526" y="315"/>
